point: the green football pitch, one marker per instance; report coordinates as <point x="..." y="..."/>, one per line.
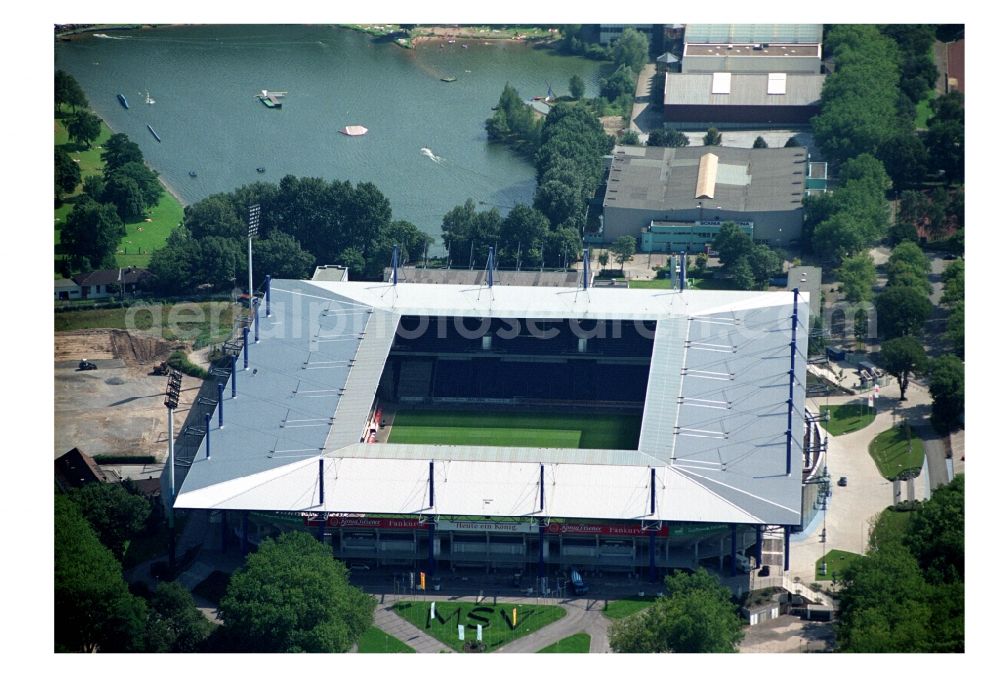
<point x="538" y="430"/>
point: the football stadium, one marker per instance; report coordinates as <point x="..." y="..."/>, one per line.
<point x="449" y="427"/>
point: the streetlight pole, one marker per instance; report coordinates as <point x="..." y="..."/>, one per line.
<point x="253" y="224"/>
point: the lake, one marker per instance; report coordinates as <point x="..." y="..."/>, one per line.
<point x="426" y="148"/>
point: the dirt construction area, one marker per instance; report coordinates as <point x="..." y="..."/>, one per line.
<point x="117" y="408"/>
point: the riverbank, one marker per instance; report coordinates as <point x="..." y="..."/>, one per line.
<point x="413" y="37"/>
<point x="141" y="237"/>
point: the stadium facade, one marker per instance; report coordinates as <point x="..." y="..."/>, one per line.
<point x="301" y="432"/>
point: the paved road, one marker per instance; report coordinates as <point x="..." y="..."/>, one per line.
<point x="647" y="114"/>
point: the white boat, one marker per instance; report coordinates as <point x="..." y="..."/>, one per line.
<point x="149" y="99"/>
<point x="354" y="130"/>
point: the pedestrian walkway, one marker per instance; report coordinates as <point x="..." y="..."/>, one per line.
<point x="582" y="617"/>
<point x="394" y="625"/>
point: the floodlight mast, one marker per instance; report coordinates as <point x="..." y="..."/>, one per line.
<point x="171" y="401"/>
<point x="253" y="225"/>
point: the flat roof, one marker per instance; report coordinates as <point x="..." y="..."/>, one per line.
<point x="665" y="179"/>
<point x="745" y="89"/>
<point x="712" y="445"/>
<point x="409" y="273"/>
<point x="753" y="33"/>
<point x="751" y="50"/>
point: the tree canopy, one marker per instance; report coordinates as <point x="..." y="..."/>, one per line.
<point x="907" y="594"/>
<point x="623" y="250"/>
<point x="902" y="311"/>
<point x="857" y="277"/>
<point x="903" y="357"/>
<point x="67" y="173"/>
<point x="91" y="234"/>
<point x="115" y="513"/>
<point x="83" y="127"/>
<point x="947" y="386"/>
<point x="696" y="615"/>
<point x="175" y="624"/>
<point x="93" y="607"/>
<point x="631" y="50"/>
<point x="293" y="596"/>
<point x="577" y="87"/>
<point x="670" y="138"/>
<point x="68" y="91"/>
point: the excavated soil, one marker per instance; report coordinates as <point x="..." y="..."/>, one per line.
<point x="133" y="349"/>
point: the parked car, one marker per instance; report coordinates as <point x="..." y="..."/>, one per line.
<point x="842" y="481"/>
<point x="88" y="365"/>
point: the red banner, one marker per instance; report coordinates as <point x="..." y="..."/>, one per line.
<point x="364" y="522"/>
<point x="629" y="530"/>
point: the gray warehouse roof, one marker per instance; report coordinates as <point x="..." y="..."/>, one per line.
<point x="746" y="89"/>
<point x="748" y="33"/>
<point x="748" y="179"/>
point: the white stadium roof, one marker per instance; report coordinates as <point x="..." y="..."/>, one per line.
<point x="713" y="431"/>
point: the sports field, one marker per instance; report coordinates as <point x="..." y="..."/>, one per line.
<point x="538" y="430"/>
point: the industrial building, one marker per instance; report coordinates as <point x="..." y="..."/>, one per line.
<point x="725" y="100"/>
<point x="700" y="187"/>
<point x="718" y="466"/>
<point x="753" y="48"/>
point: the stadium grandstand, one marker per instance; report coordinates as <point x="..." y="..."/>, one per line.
<point x="530" y="429"/>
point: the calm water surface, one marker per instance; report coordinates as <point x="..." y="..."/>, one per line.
<point x="204" y="80"/>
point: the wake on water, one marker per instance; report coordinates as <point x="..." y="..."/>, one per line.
<point x="111" y="37"/>
<point x="427" y="152"/>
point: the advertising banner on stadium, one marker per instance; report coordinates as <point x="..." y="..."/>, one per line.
<point x="487" y="526"/>
<point x="630" y="530"/>
<point x="364" y="522"/>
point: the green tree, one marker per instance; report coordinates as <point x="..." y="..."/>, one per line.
<point x="908" y="266"/>
<point x="712" y="137"/>
<point x="668" y="138"/>
<point x="93" y="187"/>
<point x="945" y="143"/>
<point x="905" y="159"/>
<point x="623" y="250"/>
<point x="954" y="283"/>
<point x="742" y="274"/>
<point x="631" y="50"/>
<point x="936" y="533"/>
<point x="94" y="610"/>
<point x="947" y="386"/>
<point x="563" y="246"/>
<point x="630" y="138"/>
<point x="859" y="102"/>
<point x="955" y="329"/>
<point x="603" y="258"/>
<point x="619" y="84"/>
<point x="884" y="604"/>
<point x="174" y="623"/>
<point x="293" y="596"/>
<point x="125" y="195"/>
<point x="817" y="339"/>
<point x="857" y="278"/>
<point x="91" y="234"/>
<point x="116" y="514"/>
<point x="282" y="257"/>
<point x="764" y="264"/>
<point x="732" y="244"/>
<point x="67" y="173"/>
<point x="146" y="179"/>
<point x="759" y="142"/>
<point x="792" y="142"/>
<point x="577" y="88"/>
<point x="901" y="358"/>
<point x="522" y="235"/>
<point x="215" y="215"/>
<point x="696" y="615"/>
<point x="68" y="91"/>
<point x="83" y="127"/>
<point x="118" y="151"/>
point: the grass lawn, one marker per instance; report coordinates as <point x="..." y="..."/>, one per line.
<point x="198" y="323"/>
<point x="837" y="562"/>
<point x="893" y="453"/>
<point x="496" y="629"/>
<point x="924" y="111"/>
<point x="846" y="418"/>
<point x="577" y="643"/>
<point x="545" y="430"/>
<point x="142" y="237"/>
<point x="213" y="587"/>
<point x="708" y="283"/>
<point x="374" y="640"/>
<point x="620" y="608"/>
